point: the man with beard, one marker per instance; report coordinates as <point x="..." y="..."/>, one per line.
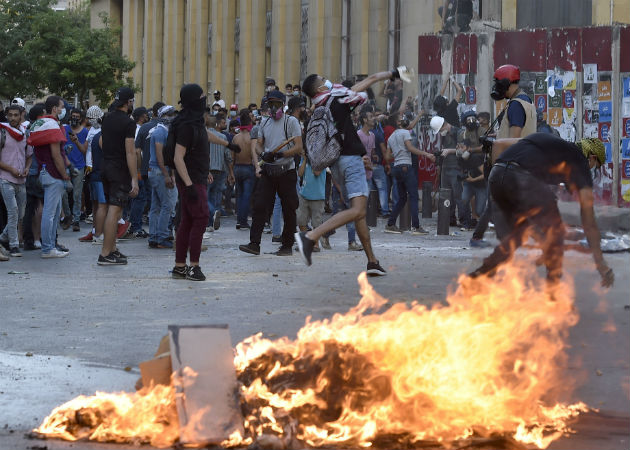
<point x="192" y="175"/>
<point x="119" y="174"/>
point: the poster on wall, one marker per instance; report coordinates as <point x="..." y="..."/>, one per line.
<point x="568" y="98"/>
<point x="605" y="111"/>
<point x="590" y="73"/>
<point x="540" y="86"/>
<point x="604" y="131"/>
<point x="590" y="130"/>
<point x="554" y="117"/>
<point x="556" y="100"/>
<point x="625" y="190"/>
<point x="625" y="131"/>
<point x="604" y="91"/>
<point x="608" y="147"/>
<point x="625" y="107"/>
<point x="625" y="148"/>
<point x="626" y="87"/>
<point x="587" y="101"/>
<point x="541" y="102"/>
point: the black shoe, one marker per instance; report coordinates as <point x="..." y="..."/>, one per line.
<point x="76" y="227"/>
<point x="153" y="244"/>
<point x="305" y="246"/>
<point x="141" y="234"/>
<point x="29" y="246"/>
<point x="195" y="274"/>
<point x="242" y="226"/>
<point x="66" y="222"/>
<point x="180" y="272"/>
<point x="62" y="248"/>
<point x="375" y="269"/>
<point x="251" y="248"/>
<point x="111" y="260"/>
<point x="276" y="239"/>
<point x="284" y="251"/>
<point x="15" y="252"/>
<point x="119" y="255"/>
<point x="216" y="221"/>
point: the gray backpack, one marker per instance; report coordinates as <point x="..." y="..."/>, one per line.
<point x="323" y="140"/>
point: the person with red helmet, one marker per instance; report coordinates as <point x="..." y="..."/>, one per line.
<point x="520" y="118"/>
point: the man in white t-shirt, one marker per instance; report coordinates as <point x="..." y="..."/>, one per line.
<point x="406" y="178"/>
<point x="218" y="100"/>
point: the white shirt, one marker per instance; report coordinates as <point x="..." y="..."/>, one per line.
<point x="219" y="102"/>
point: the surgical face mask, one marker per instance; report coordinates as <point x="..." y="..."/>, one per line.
<point x="269" y="89"/>
<point x="444" y="132"/>
<point x="232" y="113"/>
<point x="61" y="114"/>
<point x="328" y="84"/>
<point x="296" y="93"/>
<point x="96" y="123"/>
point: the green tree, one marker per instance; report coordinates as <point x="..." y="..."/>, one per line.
<point x="59" y="52"/>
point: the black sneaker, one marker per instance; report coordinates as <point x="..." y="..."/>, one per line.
<point x="180" y="272"/>
<point x="305" y="246"/>
<point x="284" y="251"/>
<point x="29" y="246"/>
<point x="153" y="244"/>
<point x="375" y="269"/>
<point x="141" y="234"/>
<point x="15" y="252"/>
<point x="62" y="248"/>
<point x="111" y="260"/>
<point x="76" y="226"/>
<point x="251" y="248"/>
<point x="194" y="273"/>
<point x="119" y="255"/>
<point x="216" y="221"/>
<point x="276" y="239"/>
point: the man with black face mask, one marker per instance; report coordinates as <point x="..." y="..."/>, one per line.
<point x="520" y="118"/>
<point x="474" y="184"/>
<point x="76" y="149"/>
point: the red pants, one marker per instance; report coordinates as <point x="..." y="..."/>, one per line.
<point x="194" y="217"/>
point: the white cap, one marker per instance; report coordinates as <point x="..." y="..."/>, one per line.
<point x="436" y="123"/>
<point x="18" y="101"/>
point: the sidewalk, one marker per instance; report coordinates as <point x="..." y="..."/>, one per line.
<point x="609" y="218"/>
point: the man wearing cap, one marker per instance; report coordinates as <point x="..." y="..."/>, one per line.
<point x="520" y="118"/>
<point x="519" y="182"/>
<point x="278" y="175"/>
<point x="120" y="172"/>
<point x="218" y="100"/>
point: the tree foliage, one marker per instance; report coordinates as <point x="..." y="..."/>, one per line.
<point x="58" y="52"/>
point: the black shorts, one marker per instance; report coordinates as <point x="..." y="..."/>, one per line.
<point x="116" y="182"/>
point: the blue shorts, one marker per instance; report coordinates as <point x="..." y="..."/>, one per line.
<point x="97" y="192"/>
<point x="349" y="172"/>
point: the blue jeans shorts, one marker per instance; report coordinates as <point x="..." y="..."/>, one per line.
<point x="97" y="192"/>
<point x="349" y="172"/>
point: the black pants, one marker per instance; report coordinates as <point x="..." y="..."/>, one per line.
<point x="264" y="197"/>
<point x="528" y="206"/>
<point x="491" y="212"/>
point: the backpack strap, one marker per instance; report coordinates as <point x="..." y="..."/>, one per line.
<point x="3" y="138"/>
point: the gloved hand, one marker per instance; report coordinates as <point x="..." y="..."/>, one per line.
<point x="268" y="157"/>
<point x="191" y="193"/>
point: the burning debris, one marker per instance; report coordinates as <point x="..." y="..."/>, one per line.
<point x="488" y="367"/>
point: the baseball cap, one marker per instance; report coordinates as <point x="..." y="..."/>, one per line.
<point x="18" y="101"/>
<point x="270" y="82"/>
<point x="276" y="95"/>
<point x="296" y="102"/>
<point x="216" y="92"/>
<point x="123" y="95"/>
<point x="233" y="107"/>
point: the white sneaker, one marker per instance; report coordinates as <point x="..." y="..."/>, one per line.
<point x="97" y="240"/>
<point x="207" y="235"/>
<point x="37" y="244"/>
<point x="54" y="253"/>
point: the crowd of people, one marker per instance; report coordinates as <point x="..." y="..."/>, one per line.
<point x="181" y="170"/>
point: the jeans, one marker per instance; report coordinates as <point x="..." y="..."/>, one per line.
<point x="480" y="192"/>
<point x="407" y="185"/>
<point x="53" y="191"/>
<point x="215" y="193"/>
<point x="379" y="182"/>
<point x="137" y="206"/>
<point x="527" y="205"/>
<point x="77" y="194"/>
<point x="245" y="176"/>
<point x="276" y="217"/>
<point x="163" y="202"/>
<point x="451" y="179"/>
<point x="268" y="187"/>
<point x="14" y="196"/>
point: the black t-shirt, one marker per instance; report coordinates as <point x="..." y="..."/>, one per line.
<point x="197" y="157"/>
<point x="550" y="159"/>
<point x="117" y="126"/>
<point x="145" y="144"/>
<point x="352" y="145"/>
<point x="97" y="158"/>
<point x="471" y="165"/>
<point x="450" y="113"/>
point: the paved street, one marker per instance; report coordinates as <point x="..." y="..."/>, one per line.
<point x="85" y="324"/>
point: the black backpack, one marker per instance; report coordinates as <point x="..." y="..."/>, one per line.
<point x="168" y="151"/>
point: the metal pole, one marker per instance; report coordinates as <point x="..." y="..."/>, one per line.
<point x="427" y="201"/>
<point x="444" y="212"/>
<point x="404" y="220"/>
<point x="372" y="208"/>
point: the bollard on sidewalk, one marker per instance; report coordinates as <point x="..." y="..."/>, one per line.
<point x="404" y="219"/>
<point x="372" y="209"/>
<point x="444" y="212"/>
<point x="427" y="201"/>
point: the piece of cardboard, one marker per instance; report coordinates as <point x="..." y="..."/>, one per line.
<point x="205" y="383"/>
<point x="157" y="370"/>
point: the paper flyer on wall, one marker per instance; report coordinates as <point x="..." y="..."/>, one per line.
<point x="590" y="73"/>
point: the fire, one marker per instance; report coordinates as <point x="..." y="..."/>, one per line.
<point x="487" y="363"/>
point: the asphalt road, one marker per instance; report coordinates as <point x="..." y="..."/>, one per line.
<point x="85" y="324"/>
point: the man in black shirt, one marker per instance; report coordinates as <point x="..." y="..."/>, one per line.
<point x="519" y="184"/>
<point x="349" y="169"/>
<point x="119" y="173"/>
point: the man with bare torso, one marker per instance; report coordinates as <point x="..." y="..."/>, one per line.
<point x="246" y="168"/>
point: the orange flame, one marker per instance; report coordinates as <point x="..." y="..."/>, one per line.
<point x="488" y="363"/>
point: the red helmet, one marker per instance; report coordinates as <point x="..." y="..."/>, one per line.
<point x="509" y="71"/>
